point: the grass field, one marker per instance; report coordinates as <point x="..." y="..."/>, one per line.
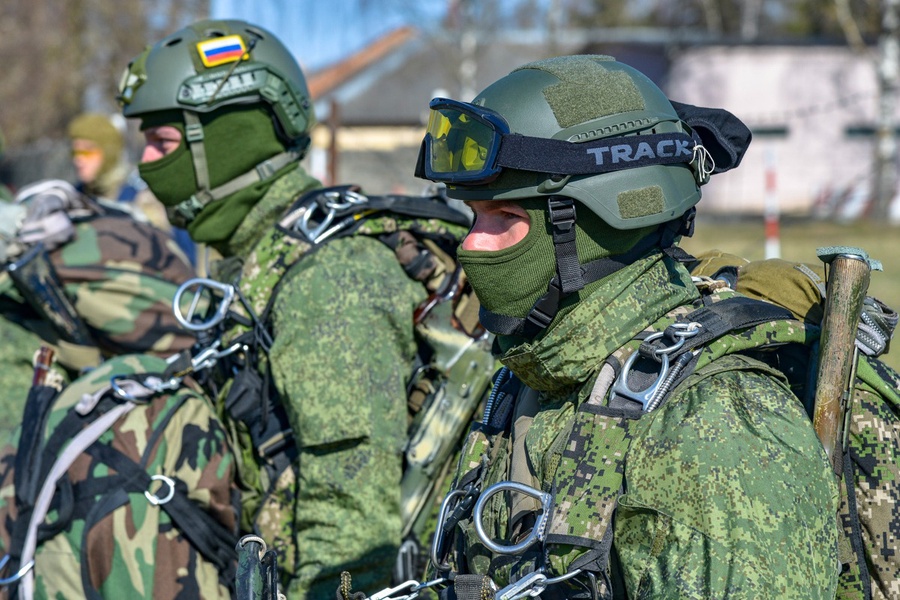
<point x="799" y="240"/>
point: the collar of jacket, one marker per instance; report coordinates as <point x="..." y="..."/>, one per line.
<point x="624" y="304"/>
<point x="277" y="199"/>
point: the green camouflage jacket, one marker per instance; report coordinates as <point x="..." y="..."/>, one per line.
<point x="106" y="538"/>
<point x="343" y="351"/>
<point x="723" y="491"/>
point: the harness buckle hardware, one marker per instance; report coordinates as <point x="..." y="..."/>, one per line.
<point x="199" y="285"/>
<point x="540" y="525"/>
<point x="646" y="397"/>
<point x="154" y="499"/>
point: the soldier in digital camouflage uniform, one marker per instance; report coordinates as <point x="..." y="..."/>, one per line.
<point x="582" y="176"/>
<point x="119" y="276"/>
<point x="226" y="115"/>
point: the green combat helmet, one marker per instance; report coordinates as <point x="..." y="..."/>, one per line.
<point x="578" y="128"/>
<point x="208" y="67"/>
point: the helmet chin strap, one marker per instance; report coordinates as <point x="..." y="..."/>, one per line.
<point x="186" y="211"/>
<point x="571" y="275"/>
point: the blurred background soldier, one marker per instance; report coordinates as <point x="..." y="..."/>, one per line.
<point x="103" y="172"/>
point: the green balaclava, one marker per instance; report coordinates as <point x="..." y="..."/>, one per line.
<point x="509" y="281"/>
<point x="235" y="140"/>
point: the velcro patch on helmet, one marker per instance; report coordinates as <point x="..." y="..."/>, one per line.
<point x="222" y="50"/>
<point x="642" y="202"/>
<point x="588" y="90"/>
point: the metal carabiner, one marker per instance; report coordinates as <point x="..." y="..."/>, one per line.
<point x="388" y="594"/>
<point x="202" y="284"/>
<point x="537" y="532"/>
<point x="438" y="541"/>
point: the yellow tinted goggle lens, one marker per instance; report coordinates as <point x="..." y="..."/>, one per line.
<point x="458" y="142"/>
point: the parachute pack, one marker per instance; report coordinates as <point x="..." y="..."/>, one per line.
<point x="232" y="326"/>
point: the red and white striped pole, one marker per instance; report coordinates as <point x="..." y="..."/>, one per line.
<point x="772" y="213"/>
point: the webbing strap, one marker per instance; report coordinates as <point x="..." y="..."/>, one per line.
<point x="210" y="537"/>
<point x="79" y="444"/>
<point x="730" y="314"/>
<point x="193" y="133"/>
<point x="561" y="211"/>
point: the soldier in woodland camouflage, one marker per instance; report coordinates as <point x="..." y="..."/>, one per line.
<point x="615" y="478"/>
<point x="107" y="538"/>
<point x="227" y="116"/>
<point x="119" y="275"/>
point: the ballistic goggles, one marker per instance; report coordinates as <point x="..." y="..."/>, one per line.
<point x="470" y="145"/>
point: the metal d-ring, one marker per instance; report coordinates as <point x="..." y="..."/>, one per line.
<point x="644" y="397"/>
<point x="154" y="499"/>
<point x="537" y="532"/>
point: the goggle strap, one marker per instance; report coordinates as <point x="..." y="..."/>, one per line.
<point x="561" y="157"/>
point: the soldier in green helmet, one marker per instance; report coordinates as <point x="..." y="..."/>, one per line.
<point x="619" y="456"/>
<point x="317" y="392"/>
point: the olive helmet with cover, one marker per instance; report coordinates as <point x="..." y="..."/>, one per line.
<point x="571" y="133"/>
<point x="211" y="80"/>
<point x="626" y="154"/>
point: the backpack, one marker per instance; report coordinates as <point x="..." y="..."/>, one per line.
<point x="871" y="463"/>
<point x="119" y="488"/>
<point x="453" y="364"/>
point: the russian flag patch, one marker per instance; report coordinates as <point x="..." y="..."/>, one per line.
<point x="219" y="51"/>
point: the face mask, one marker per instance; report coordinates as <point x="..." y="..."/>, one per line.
<point x="509" y="281"/>
<point x="171" y="178"/>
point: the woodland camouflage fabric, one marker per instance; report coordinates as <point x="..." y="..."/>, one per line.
<point x="343" y="350"/>
<point x="134" y="551"/>
<point x="727" y="491"/>
<point x="121" y="276"/>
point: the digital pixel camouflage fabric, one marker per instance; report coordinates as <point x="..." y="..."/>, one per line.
<point x="727" y="492"/>
<point x="343" y="350"/>
<point x="871" y="521"/>
<point x="118" y="543"/>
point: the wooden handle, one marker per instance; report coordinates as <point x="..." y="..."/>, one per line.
<point x="848" y="283"/>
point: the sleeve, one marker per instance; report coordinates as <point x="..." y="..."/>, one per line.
<point x="729" y="494"/>
<point x="343" y="352"/>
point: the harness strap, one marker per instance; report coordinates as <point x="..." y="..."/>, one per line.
<point x="210" y="537"/>
<point x="79" y="444"/>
